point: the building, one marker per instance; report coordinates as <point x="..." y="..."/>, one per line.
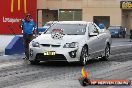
<point x="110" y="12"/>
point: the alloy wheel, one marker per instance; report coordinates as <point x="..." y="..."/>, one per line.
<point x="84" y="55"/>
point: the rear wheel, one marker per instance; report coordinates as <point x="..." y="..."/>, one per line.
<point x="107" y="53"/>
<point x="84" y="56"/>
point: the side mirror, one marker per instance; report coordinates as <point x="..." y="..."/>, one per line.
<point x="93" y="34"/>
<point x="40" y="33"/>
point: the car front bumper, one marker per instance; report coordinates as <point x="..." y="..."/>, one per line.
<point x="61" y="54"/>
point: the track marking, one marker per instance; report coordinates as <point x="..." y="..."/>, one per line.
<point x="7" y="64"/>
<point x="121" y="45"/>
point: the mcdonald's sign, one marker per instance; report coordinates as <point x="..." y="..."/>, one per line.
<point x="19" y="5"/>
<point x="11" y="13"/>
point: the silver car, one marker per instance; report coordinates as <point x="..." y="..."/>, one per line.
<point x="71" y="41"/>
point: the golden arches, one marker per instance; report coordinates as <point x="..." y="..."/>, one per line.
<point x="25" y="6"/>
<point x="12" y="5"/>
<point x="19" y="6"/>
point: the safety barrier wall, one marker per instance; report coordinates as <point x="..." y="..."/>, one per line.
<point x="15" y="46"/>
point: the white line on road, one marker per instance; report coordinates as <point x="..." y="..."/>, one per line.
<point x="121" y="45"/>
<point x="7" y="64"/>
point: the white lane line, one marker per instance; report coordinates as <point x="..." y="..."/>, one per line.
<point x="7" y="64"/>
<point x="121" y="45"/>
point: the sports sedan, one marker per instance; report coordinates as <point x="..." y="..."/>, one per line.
<point x="71" y="41"/>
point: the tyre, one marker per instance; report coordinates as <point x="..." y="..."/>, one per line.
<point x="84" y="56"/>
<point x="34" y="62"/>
<point x="107" y="53"/>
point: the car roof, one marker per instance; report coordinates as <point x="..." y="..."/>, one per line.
<point x="73" y="22"/>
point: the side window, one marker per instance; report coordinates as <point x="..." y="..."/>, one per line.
<point x="93" y="29"/>
<point x="96" y="29"/>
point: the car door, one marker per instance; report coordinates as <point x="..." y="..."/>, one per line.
<point x="101" y="37"/>
<point x="93" y="41"/>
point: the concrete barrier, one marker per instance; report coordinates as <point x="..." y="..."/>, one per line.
<point x="15" y="46"/>
<point x="4" y="41"/>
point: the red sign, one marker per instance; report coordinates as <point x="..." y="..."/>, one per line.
<point x="11" y="13"/>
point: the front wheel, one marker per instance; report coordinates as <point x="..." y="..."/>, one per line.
<point x="34" y="62"/>
<point x="107" y="53"/>
<point x="84" y="56"/>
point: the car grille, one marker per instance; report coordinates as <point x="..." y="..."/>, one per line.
<point x="57" y="57"/>
<point x="50" y="45"/>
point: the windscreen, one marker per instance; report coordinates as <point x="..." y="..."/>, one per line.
<point x="69" y="29"/>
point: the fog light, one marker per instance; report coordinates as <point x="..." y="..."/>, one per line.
<point x="31" y="52"/>
<point x="73" y="54"/>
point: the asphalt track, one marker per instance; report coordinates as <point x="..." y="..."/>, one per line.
<point x="18" y="73"/>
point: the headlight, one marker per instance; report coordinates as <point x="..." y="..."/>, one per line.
<point x="35" y="44"/>
<point x="71" y="45"/>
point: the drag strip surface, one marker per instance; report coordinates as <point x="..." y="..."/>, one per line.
<point x="18" y="73"/>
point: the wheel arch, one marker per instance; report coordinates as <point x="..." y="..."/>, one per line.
<point x="80" y="57"/>
<point x="85" y="45"/>
<point x="108" y="43"/>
